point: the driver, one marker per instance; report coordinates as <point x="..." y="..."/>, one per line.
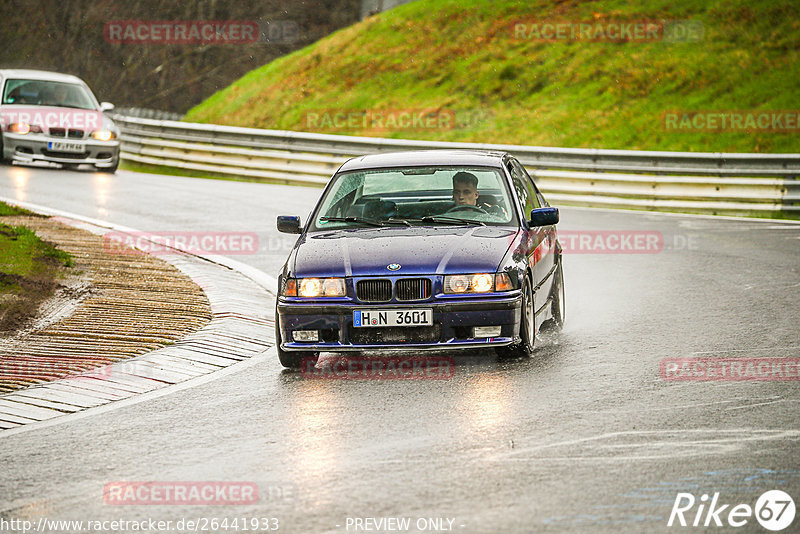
<point x="60" y="93"/>
<point x="465" y="193"/>
<point x="465" y="189"/>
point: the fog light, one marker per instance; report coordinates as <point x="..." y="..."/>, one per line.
<point x="305" y="335"/>
<point x="486" y="331"/>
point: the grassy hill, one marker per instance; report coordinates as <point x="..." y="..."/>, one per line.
<point x="465" y="62"/>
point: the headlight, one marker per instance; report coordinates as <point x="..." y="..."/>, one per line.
<point x="458" y="283"/>
<point x="103" y="135"/>
<point x="315" y="287"/>
<point x="477" y="283"/>
<point x="19" y="128"/>
<point x="481" y="283"/>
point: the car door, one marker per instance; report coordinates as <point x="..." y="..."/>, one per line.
<point x="541" y="239"/>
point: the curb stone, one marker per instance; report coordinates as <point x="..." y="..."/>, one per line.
<point x="241" y="327"/>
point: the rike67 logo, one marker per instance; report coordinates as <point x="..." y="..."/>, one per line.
<point x="774" y="510"/>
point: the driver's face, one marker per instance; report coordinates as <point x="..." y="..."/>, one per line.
<point x="464" y="194"/>
<point x="60" y="93"/>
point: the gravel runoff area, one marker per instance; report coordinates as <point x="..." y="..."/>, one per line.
<point x="151" y="327"/>
<point x="111" y="306"/>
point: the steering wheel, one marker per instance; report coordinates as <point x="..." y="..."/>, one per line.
<point x="466" y="207"/>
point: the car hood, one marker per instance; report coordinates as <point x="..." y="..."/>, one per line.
<point x="418" y="250"/>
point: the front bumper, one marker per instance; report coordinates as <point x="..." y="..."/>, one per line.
<point x="34" y="147"/>
<point x="453" y="320"/>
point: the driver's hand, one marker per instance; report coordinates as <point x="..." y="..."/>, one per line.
<point x="493" y="209"/>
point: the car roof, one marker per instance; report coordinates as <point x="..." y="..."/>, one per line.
<point x="477" y="158"/>
<point x="40" y="75"/>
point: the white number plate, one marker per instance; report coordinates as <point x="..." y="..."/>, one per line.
<point x="60" y="146"/>
<point x="396" y="317"/>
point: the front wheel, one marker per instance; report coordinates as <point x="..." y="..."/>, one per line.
<point x="527" y="328"/>
<point x="292" y="359"/>
<point x="109" y="170"/>
<point x="557" y="301"/>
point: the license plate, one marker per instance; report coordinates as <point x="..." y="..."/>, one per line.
<point x="395" y="317"/>
<point x="60" y="146"/>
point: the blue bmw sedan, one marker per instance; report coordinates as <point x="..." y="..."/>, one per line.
<point x="441" y="249"/>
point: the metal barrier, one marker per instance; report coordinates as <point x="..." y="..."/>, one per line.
<point x="714" y="183"/>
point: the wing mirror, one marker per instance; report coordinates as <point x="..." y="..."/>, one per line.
<point x="106" y="106"/>
<point x="544" y="217"/>
<point x="289" y="224"/>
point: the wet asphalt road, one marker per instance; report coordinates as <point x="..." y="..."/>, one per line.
<point x="585" y="436"/>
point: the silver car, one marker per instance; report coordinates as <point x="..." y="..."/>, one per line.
<point x="52" y="117"/>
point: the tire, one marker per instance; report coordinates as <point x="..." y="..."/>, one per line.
<point x="527" y="328"/>
<point x="291" y="359"/>
<point x="558" y="302"/>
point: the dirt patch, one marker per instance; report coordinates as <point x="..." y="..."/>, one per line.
<point x="38" y="263"/>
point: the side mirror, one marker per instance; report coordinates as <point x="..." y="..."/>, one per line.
<point x="544" y="217"/>
<point x="289" y="224"/>
<point x="106" y="106"/>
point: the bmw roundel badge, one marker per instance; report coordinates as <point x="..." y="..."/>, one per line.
<point x="393" y="266"/>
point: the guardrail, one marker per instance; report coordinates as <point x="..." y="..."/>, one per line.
<point x="147" y="113"/>
<point x="714" y="183"/>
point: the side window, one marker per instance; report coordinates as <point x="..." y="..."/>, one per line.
<point x="520" y="181"/>
<point x="536" y="197"/>
<point x="542" y="202"/>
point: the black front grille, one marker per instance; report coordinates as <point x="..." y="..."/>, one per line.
<point x="374" y="290"/>
<point x="413" y="289"/>
<point x="75" y="134"/>
<point x="395" y="334"/>
<point x="58" y="132"/>
<point x="65" y="155"/>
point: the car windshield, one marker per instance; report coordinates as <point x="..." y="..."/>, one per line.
<point x="47" y="93"/>
<point x="441" y="195"/>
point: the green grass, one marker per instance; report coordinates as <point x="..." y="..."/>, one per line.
<point x="23" y="255"/>
<point x="5" y="209"/>
<point x="28" y="269"/>
<point x="461" y="58"/>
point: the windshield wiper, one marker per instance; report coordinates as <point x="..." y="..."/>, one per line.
<point x="450" y="220"/>
<point x="364" y="220"/>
